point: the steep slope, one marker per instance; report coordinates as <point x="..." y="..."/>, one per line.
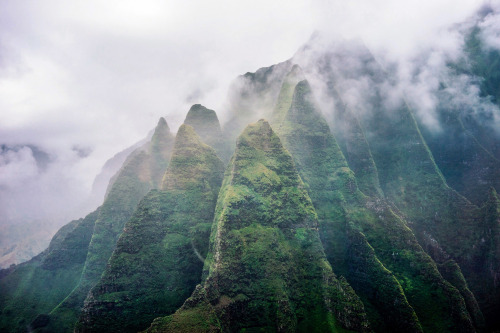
<point x="364" y="238"/>
<point x="284" y="100"/>
<point x="266" y="269"/>
<point x="207" y="126"/>
<point x="159" y="256"/>
<point x="40" y="284"/>
<point x="467" y="165"/>
<point x="445" y="223"/>
<point x="106" y="177"/>
<point x="142" y="171"/>
<point x="484" y="262"/>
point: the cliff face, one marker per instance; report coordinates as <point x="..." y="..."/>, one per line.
<point x="142" y="170"/>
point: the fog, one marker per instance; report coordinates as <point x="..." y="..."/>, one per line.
<point x="83" y="80"/>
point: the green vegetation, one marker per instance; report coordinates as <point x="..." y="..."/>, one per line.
<point x="363" y="238"/>
<point x="266" y="270"/>
<point x="444" y="222"/>
<point x="253" y="96"/>
<point x="49" y="291"/>
<point x="141" y="171"/>
<point x="159" y="257"/>
<point x="207" y="126"/>
<point x="384" y="226"/>
<point x="285" y="96"/>
<point x="40" y="284"/>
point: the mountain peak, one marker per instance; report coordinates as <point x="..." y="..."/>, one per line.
<point x="186" y="136"/>
<point x="162" y="132"/>
<point x="201" y="117"/>
<point x="193" y="163"/>
<point x="258" y="135"/>
<point x="294" y="76"/>
<point x="206" y="124"/>
<point x="162" y="125"/>
<point x="264" y="224"/>
<point x="296" y="71"/>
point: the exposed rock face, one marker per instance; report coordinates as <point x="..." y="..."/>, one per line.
<point x="266" y="268"/>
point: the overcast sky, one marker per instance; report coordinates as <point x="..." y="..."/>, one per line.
<point x="84" y="79"/>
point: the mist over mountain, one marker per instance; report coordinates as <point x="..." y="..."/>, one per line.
<point x="349" y="186"/>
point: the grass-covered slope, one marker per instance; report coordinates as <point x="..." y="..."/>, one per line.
<point x="142" y="171"/>
<point x="40" y="284"/>
<point x="266" y="269"/>
<point x="363" y="238"/>
<point x="284" y="100"/>
<point x="159" y="257"/>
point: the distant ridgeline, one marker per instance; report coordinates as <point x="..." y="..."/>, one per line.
<point x="314" y="220"/>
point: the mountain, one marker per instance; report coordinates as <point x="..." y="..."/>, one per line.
<point x="252" y="96"/>
<point x="142" y="171"/>
<point x="207" y="126"/>
<point x="159" y="256"/>
<point x="346" y="212"/>
<point x="104" y="180"/>
<point x="55" y="284"/>
<point x="266" y="269"/>
<point x="39" y="285"/>
<point x="445" y="223"/>
<point x="350" y="221"/>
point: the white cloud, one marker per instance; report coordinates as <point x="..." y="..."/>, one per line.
<point x="17" y="167"/>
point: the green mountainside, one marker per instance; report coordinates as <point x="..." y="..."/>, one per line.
<point x="37" y="286"/>
<point x="253" y="96"/>
<point x="207" y="126"/>
<point x="75" y="260"/>
<point x="142" y="170"/>
<point x="266" y="269"/>
<point x="343" y="213"/>
<point x="350" y="221"/>
<point x="159" y="256"/>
